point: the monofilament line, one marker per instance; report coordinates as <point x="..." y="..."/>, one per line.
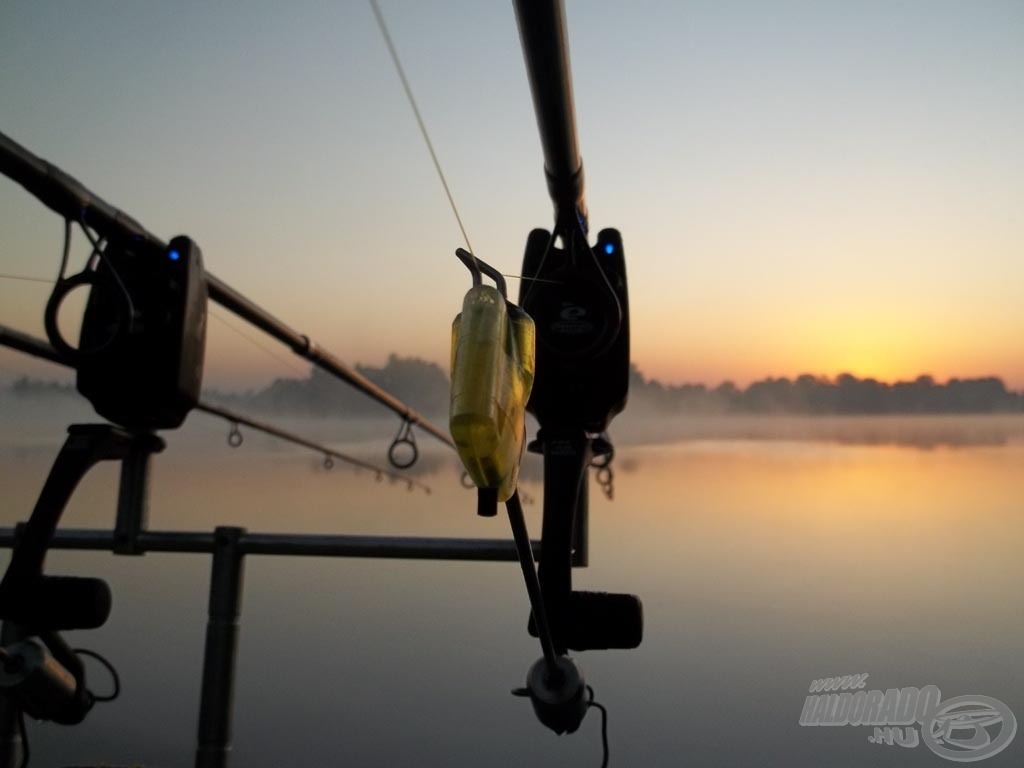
<point x="419" y="118"/>
<point x="27" y="279"/>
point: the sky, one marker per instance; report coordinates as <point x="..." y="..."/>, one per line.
<point x="817" y="187"/>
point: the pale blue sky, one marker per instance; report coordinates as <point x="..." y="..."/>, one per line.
<point x="801" y="186"/>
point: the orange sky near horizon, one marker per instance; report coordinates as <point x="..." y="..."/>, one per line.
<point x="801" y="187"/>
<point x="785" y="343"/>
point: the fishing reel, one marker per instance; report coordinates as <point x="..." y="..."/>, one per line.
<point x="46" y="679"/>
<point x="143" y="334"/>
<point x="577" y="297"/>
<point x="557" y="693"/>
<point x="41" y="674"/>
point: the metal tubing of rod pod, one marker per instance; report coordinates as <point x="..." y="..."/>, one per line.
<point x="12" y="748"/>
<point x="217" y="696"/>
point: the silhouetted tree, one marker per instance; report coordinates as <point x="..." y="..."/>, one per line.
<point x="424" y="386"/>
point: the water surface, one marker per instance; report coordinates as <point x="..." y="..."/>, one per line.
<point x="763" y="564"/>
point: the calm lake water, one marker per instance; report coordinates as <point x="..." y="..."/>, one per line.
<point x="763" y="564"/>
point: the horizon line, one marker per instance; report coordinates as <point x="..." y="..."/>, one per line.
<point x="767" y="378"/>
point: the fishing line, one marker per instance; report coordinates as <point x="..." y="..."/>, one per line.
<point x="27" y="279"/>
<point x="525" y="693"/>
<point x="63" y="262"/>
<point x="97" y="253"/>
<point x="66" y="252"/>
<point x="533" y="279"/>
<point x="604" y="724"/>
<point x="540" y="266"/>
<point x="283" y="360"/>
<point x="419" y="118"/>
<point x="110" y="668"/>
<point x="87" y="277"/>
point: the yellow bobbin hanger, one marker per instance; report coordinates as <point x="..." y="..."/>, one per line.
<point x="492" y="368"/>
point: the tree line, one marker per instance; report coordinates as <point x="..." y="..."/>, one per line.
<point x="844" y="394"/>
<point x="424" y="385"/>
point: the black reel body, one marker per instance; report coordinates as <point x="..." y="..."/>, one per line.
<point x="599" y="621"/>
<point x="143" y="337"/>
<point x="558" y="695"/>
<point x="38" y="669"/>
<point x="578" y="300"/>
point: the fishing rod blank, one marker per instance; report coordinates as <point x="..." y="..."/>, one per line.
<point x="73" y="201"/>
<point x="30" y="345"/>
<point x="305" y="347"/>
<point x="542" y="31"/>
<point x="235" y="418"/>
<point x="554" y="683"/>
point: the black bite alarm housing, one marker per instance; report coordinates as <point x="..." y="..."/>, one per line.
<point x="142" y="368"/>
<point x="579" y="303"/>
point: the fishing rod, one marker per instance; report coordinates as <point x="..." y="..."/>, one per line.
<point x="562" y="354"/>
<point x="542" y="33"/>
<point x="30" y="345"/>
<point x="67" y="197"/>
<point x="234" y="440"/>
<point x="565" y="347"/>
<point x="576" y="295"/>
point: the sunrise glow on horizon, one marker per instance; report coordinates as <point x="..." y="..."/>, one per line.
<point x="800" y="187"/>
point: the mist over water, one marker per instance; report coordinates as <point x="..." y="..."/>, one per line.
<point x="768" y="551"/>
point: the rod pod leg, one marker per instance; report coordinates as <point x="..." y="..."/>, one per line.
<point x="217" y="697"/>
